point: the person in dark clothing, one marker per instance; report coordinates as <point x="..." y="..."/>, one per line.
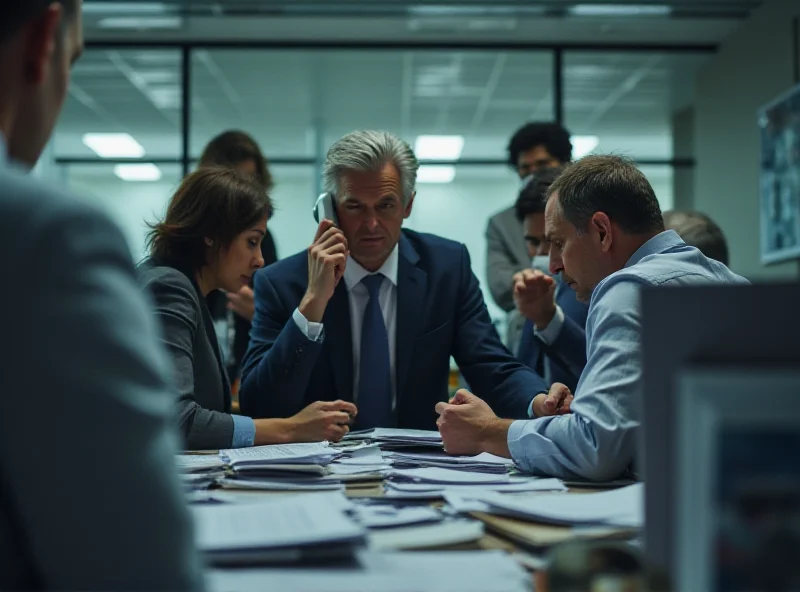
<point x="234" y="312"/>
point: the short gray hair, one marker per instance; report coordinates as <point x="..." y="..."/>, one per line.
<point x="370" y="150"/>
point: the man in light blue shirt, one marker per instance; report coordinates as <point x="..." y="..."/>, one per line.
<point x="608" y="240"/>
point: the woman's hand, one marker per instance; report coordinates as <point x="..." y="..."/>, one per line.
<point x="323" y="420"/>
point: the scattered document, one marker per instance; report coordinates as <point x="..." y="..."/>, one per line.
<point x="439" y="571"/>
<point x="285" y="485"/>
<point x="192" y="463"/>
<point x="387" y="434"/>
<point x="280" y="530"/>
<point x="392" y="439"/>
<point x="484" y="463"/>
<point x="316" y="453"/>
<point x="427" y="536"/>
<point x="448" y="476"/>
<point x="385" y="516"/>
<point x="620" y="507"/>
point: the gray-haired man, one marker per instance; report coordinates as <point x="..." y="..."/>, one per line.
<point x="372" y="313"/>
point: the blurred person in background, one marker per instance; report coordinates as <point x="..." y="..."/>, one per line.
<point x="533" y="148"/>
<point x="210" y="239"/>
<point x="233" y="311"/>
<point x="700" y="231"/>
<point x="553" y="341"/>
<point x="89" y="491"/>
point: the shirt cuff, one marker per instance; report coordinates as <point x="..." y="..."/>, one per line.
<point x="312" y="331"/>
<point x="244" y="431"/>
<point x="550" y="333"/>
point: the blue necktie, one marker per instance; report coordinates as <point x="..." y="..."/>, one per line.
<point x="374" y="386"/>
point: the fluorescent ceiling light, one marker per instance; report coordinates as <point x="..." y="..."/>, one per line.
<point x="138" y="172"/>
<point x="124" y="8"/>
<point x="583" y="145"/>
<point x="439" y="147"/>
<point x="620" y="10"/>
<point x="434" y="173"/>
<point x="114" y="145"/>
<point x="141" y="22"/>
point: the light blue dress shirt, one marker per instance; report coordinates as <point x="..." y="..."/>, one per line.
<point x="244" y="431"/>
<point x="597" y="440"/>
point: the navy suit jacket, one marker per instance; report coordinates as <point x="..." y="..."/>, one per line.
<point x="440" y="312"/>
<point x="566" y="356"/>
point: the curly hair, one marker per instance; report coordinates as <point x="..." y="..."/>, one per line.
<point x="551" y="135"/>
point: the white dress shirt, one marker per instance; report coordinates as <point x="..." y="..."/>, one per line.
<point x="358" y="296"/>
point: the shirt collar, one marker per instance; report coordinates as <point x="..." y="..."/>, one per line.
<point x="658" y="244"/>
<point x="354" y="272"/>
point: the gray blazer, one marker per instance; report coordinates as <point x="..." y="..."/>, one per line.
<point x="89" y="494"/>
<point x="204" y="393"/>
<point x="506" y="255"/>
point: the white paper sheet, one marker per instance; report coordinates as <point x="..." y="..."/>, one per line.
<point x="383" y="516"/>
<point x="449" y="476"/>
<point x="304" y="453"/>
<point x="620" y="507"/>
<point x="284" y="522"/>
<point x="438" y="571"/>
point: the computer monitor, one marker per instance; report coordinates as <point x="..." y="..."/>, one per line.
<point x="682" y="327"/>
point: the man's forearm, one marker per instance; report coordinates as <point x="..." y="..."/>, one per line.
<point x="494" y="438"/>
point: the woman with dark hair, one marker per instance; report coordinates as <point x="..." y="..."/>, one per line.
<point x="210" y="240"/>
<point x="238" y="150"/>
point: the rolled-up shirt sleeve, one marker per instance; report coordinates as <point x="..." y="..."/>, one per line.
<point x="597" y="440"/>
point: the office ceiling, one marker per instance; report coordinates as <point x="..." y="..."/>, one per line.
<point x="474" y="21"/>
<point x="298" y="101"/>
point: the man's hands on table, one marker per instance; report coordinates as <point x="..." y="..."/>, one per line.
<point x="469" y="426"/>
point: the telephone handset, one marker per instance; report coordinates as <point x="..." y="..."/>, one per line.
<point x="325" y="209"/>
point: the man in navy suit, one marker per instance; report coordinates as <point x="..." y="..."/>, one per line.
<point x="372" y="313"/>
<point x="553" y="339"/>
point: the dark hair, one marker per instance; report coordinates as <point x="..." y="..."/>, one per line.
<point x="232" y="148"/>
<point x="15" y="13"/>
<point x="216" y="203"/>
<point x="533" y="196"/>
<point x="609" y="184"/>
<point x="551" y="135"/>
<point x="698" y="230"/>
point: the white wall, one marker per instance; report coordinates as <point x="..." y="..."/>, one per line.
<point x="752" y="67"/>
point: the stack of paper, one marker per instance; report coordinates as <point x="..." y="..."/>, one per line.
<point x="315" y="453"/>
<point x="434" y="482"/>
<point x="362" y="464"/>
<point x="200" y="471"/>
<point x="282" y="467"/>
<point x="482" y="463"/>
<point x="390" y="438"/>
<point x="461" y="571"/>
<point x="282" y="530"/>
<point x="623" y="508"/>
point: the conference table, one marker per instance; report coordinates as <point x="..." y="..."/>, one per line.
<point x="526" y="541"/>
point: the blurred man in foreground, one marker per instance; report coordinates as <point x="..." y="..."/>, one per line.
<point x="89" y="494"/>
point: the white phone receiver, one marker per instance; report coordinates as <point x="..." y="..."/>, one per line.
<point x="324" y="209"/>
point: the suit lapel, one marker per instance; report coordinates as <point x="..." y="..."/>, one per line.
<point x="337" y="324"/>
<point x="412" y="284"/>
